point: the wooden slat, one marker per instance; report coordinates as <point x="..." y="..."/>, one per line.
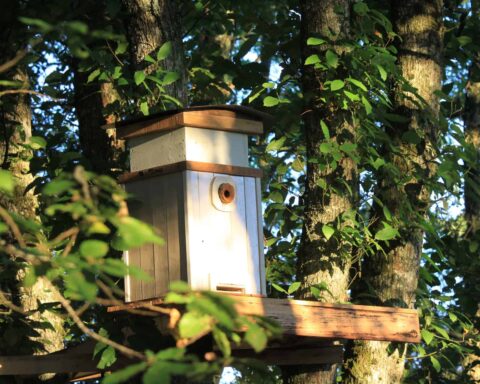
<point x="334" y="321"/>
<point x="190" y="166"/>
<point x="174" y="190"/>
<point x="304" y="356"/>
<point x="160" y="196"/>
<point x="221" y="120"/>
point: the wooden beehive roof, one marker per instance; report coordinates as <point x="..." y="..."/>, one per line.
<point x="232" y="118"/>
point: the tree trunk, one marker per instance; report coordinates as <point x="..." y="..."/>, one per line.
<point x="96" y="144"/>
<point x="471" y="273"/>
<point x="150" y="24"/>
<point x="17" y="129"/>
<point x="392" y="276"/>
<point x="322" y="261"/>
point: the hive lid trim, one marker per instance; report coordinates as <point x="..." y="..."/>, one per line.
<point x="198" y="116"/>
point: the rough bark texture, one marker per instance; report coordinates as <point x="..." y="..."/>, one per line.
<point x="321" y="260"/>
<point x="90" y="99"/>
<point x="17" y="129"/>
<point x="392" y="276"/>
<point x="150" y="24"/>
<point x="471" y="273"/>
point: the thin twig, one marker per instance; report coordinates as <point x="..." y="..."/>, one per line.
<point x="7" y="303"/>
<point x="119" y="347"/>
<point x="13" y="226"/>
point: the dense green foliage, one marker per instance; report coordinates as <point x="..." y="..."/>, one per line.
<point x="244" y="52"/>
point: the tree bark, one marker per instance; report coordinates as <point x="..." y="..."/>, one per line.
<point x="392" y="276"/>
<point x="322" y="261"/>
<point x="471" y="273"/>
<point x="150" y="24"/>
<point x="17" y="130"/>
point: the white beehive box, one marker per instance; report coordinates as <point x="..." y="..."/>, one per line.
<point x="190" y="176"/>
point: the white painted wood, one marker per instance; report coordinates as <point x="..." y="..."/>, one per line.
<point x="263" y="275"/>
<point x="127" y="283"/>
<point x="252" y="241"/>
<point x="187" y="143"/>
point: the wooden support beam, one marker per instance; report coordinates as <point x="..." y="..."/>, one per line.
<point x="333" y="321"/>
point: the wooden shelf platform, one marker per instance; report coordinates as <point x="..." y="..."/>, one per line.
<point x="333" y="321"/>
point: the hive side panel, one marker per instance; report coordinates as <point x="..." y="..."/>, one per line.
<point x="159" y="206"/>
<point x="217" y="147"/>
<point x="261" y="255"/>
<point x="141" y="257"/>
<point x="174" y="195"/>
<point x="197" y="269"/>
<point x="253" y="249"/>
<point x="157" y="149"/>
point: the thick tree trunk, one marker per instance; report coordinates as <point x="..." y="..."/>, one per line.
<point x="471" y="273"/>
<point x="150" y="24"/>
<point x="95" y="143"/>
<point x="322" y="261"/>
<point x="391" y="276"/>
<point x="17" y="130"/>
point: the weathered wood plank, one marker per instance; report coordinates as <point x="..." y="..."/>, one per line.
<point x="190" y="166"/>
<point x="159" y="200"/>
<point x="304" y="356"/>
<point x="198" y="119"/>
<point x="334" y="321"/>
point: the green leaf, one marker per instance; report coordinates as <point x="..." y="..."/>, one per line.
<point x="351" y="96"/>
<point x="442" y="332"/>
<point x="256" y="337"/>
<point x="279" y="288"/>
<point x="270" y="101"/>
<point x="40" y="24"/>
<point x="6" y="181"/>
<point x="57" y="187"/>
<point x="30" y="277"/>
<point x="315" y="41"/>
<point x="325" y="148"/>
<point x="452" y="317"/>
<point x="275" y="145"/>
<point x="325" y="130"/>
<point x="335" y="85"/>
<point x="367" y="105"/>
<point x="121" y="47"/>
<point x="108" y="358"/>
<point x="93" y="248"/>
<point x="387" y="233"/>
<point x="139" y="77"/>
<point x="322" y="183"/>
<point x="133" y="233"/>
<point x="144" y="108"/>
<point x="193" y="324"/>
<point x="179" y="287"/>
<point x="382" y="71"/>
<point x="312" y="59"/>
<point x="276" y="196"/>
<point x="124" y="374"/>
<point x="464" y="40"/>
<point x="358" y="84"/>
<point x="170" y="78"/>
<point x="294" y="287"/>
<point x="164" y="51"/>
<point x="348" y="147"/>
<point x="332" y="59"/>
<point x="222" y="342"/>
<point x="435" y="363"/>
<point x="360" y="8"/>
<point x="427" y="336"/>
<point x="268" y="85"/>
<point x="327" y="231"/>
<point x="411" y="137"/>
<point x="298" y="164"/>
<point x="37" y="142"/>
<point x="93" y="75"/>
<point x="79" y="288"/>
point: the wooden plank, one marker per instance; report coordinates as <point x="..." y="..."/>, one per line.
<point x="334" y="321"/>
<point x="304" y="356"/>
<point x="160" y="196"/>
<point x="261" y="258"/>
<point x="256" y="275"/>
<point x="173" y="192"/>
<point x="198" y="119"/>
<point x="190" y="166"/>
<point x="134" y="257"/>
